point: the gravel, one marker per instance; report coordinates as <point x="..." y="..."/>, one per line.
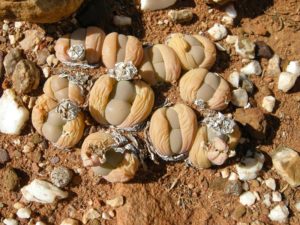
<point x="61" y="176"/>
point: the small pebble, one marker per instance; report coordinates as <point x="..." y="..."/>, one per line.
<point x="227" y="20"/>
<point x="297" y="206"/>
<point x="69" y="221"/>
<point x="286" y="81"/>
<point x="263" y="50"/>
<point x="279" y="213"/>
<point x="239" y="97"/>
<point x="273" y="68"/>
<point x="270" y="183"/>
<point x="233" y="176"/>
<point x="267" y="200"/>
<point x="54" y="160"/>
<point x="231" y="11"/>
<point x="268" y="103"/>
<point x="253" y="68"/>
<point x="238" y="212"/>
<point x="61" y="176"/>
<point x="276" y="196"/>
<point x="231" y="39"/>
<point x="90" y="214"/>
<point x="9" y="221"/>
<point x="105" y="216"/>
<point x="245" y="186"/>
<point x="250" y="167"/>
<point x="294" y="68"/>
<point x="111" y="213"/>
<point x="18" y="24"/>
<point x="10" y="179"/>
<point x="24" y="213"/>
<point x="94" y="222"/>
<point x="46" y="72"/>
<point x="180" y="16"/>
<point x="233" y="188"/>
<point x="218" y="32"/>
<point x="225" y="173"/>
<point x="4" y="157"/>
<point x="245" y="48"/>
<point x="40" y="223"/>
<point x="116" y="202"/>
<point x="5" y="27"/>
<point x="12" y="39"/>
<point x="18" y="205"/>
<point x="247" y="198"/>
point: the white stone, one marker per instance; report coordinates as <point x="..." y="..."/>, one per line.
<point x="297" y="206"/>
<point x="247" y="198"/>
<point x="276" y="196"/>
<point x="270" y="183"/>
<point x="273" y="68"/>
<point x="13" y="114"/>
<point x="231" y="39"/>
<point x="279" y="213"/>
<point x="42" y="192"/>
<point x="5" y="27"/>
<point x="40" y="223"/>
<point x="18" y="24"/>
<point x="256" y="195"/>
<point x="12" y="39"/>
<point x="231" y="11"/>
<point x="249" y="167"/>
<point x="245" y="186"/>
<point x="268" y="103"/>
<point x="105" y="216"/>
<point x="116" y="202"/>
<point x="227" y="20"/>
<point x="233" y="176"/>
<point x="239" y="97"/>
<point x="122" y="21"/>
<point x="245" y="48"/>
<point x="294" y="68"/>
<point x="286" y="81"/>
<point x="218" y="31"/>
<point x="234" y="79"/>
<point x="52" y="60"/>
<point x="10" y="221"/>
<point x="46" y="71"/>
<point x="69" y="221"/>
<point x="24" y="213"/>
<point x="252" y="68"/>
<point x="225" y="173"/>
<point x="156" y="4"/>
<point x="267" y="200"/>
<point x="90" y="215"/>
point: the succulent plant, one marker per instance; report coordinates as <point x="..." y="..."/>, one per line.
<point x="172" y="130"/>
<point x="193" y="51"/>
<point x="160" y="64"/>
<point x="123" y="104"/>
<point x="83" y="46"/>
<point x="121" y="48"/>
<point x="102" y="152"/>
<point x="205" y="89"/>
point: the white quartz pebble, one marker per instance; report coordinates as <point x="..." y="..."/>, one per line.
<point x="270" y="183"/>
<point x="276" y="196"/>
<point x="286" y="81"/>
<point x="218" y="32"/>
<point x="231" y="11"/>
<point x="239" y="97"/>
<point x="297" y="206"/>
<point x="247" y="198"/>
<point x="294" y="68"/>
<point x="10" y="221"/>
<point x="42" y="192"/>
<point x="267" y="200"/>
<point x="156" y="4"/>
<point x="253" y="68"/>
<point x="279" y="213"/>
<point x="268" y="103"/>
<point x="13" y="114"/>
<point x="24" y="213"/>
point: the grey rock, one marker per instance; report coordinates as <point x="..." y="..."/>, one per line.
<point x="61" y="176"/>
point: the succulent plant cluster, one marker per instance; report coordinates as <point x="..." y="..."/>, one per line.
<point x="123" y="99"/>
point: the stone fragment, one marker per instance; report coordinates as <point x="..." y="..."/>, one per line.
<point x="61" y="176"/>
<point x="231" y="39"/>
<point x="9" y="221"/>
<point x="270" y="183"/>
<point x="42" y="11"/>
<point x="239" y="212"/>
<point x="181" y="16"/>
<point x="239" y="97"/>
<point x="245" y="48"/>
<point x="116" y="202"/>
<point x="263" y="50"/>
<point x="273" y="68"/>
<point x="279" y="213"/>
<point x="254" y="121"/>
<point x="247" y="198"/>
<point x="234" y="79"/>
<point x="294" y="68"/>
<point x="250" y="167"/>
<point x="24" y="213"/>
<point x="32" y="38"/>
<point x="105" y="216"/>
<point x="218" y="32"/>
<point x="267" y="200"/>
<point x="41" y="56"/>
<point x="42" y="192"/>
<point x="286" y="162"/>
<point x="286" y="81"/>
<point x="4" y="157"/>
<point x="156" y="4"/>
<point x="233" y="188"/>
<point x="69" y="221"/>
<point x="231" y="11"/>
<point x="90" y="214"/>
<point x="276" y="196"/>
<point x="13" y="115"/>
<point x="10" y="179"/>
<point x="253" y="68"/>
<point x="268" y="103"/>
<point x="227" y="20"/>
<point x="11" y="59"/>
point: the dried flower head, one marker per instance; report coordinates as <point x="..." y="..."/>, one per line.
<point x="220" y="123"/>
<point x="67" y="109"/>
<point x="79" y="79"/>
<point x="76" y="52"/>
<point x="123" y="71"/>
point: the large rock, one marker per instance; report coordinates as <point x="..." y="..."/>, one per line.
<point x="38" y="11"/>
